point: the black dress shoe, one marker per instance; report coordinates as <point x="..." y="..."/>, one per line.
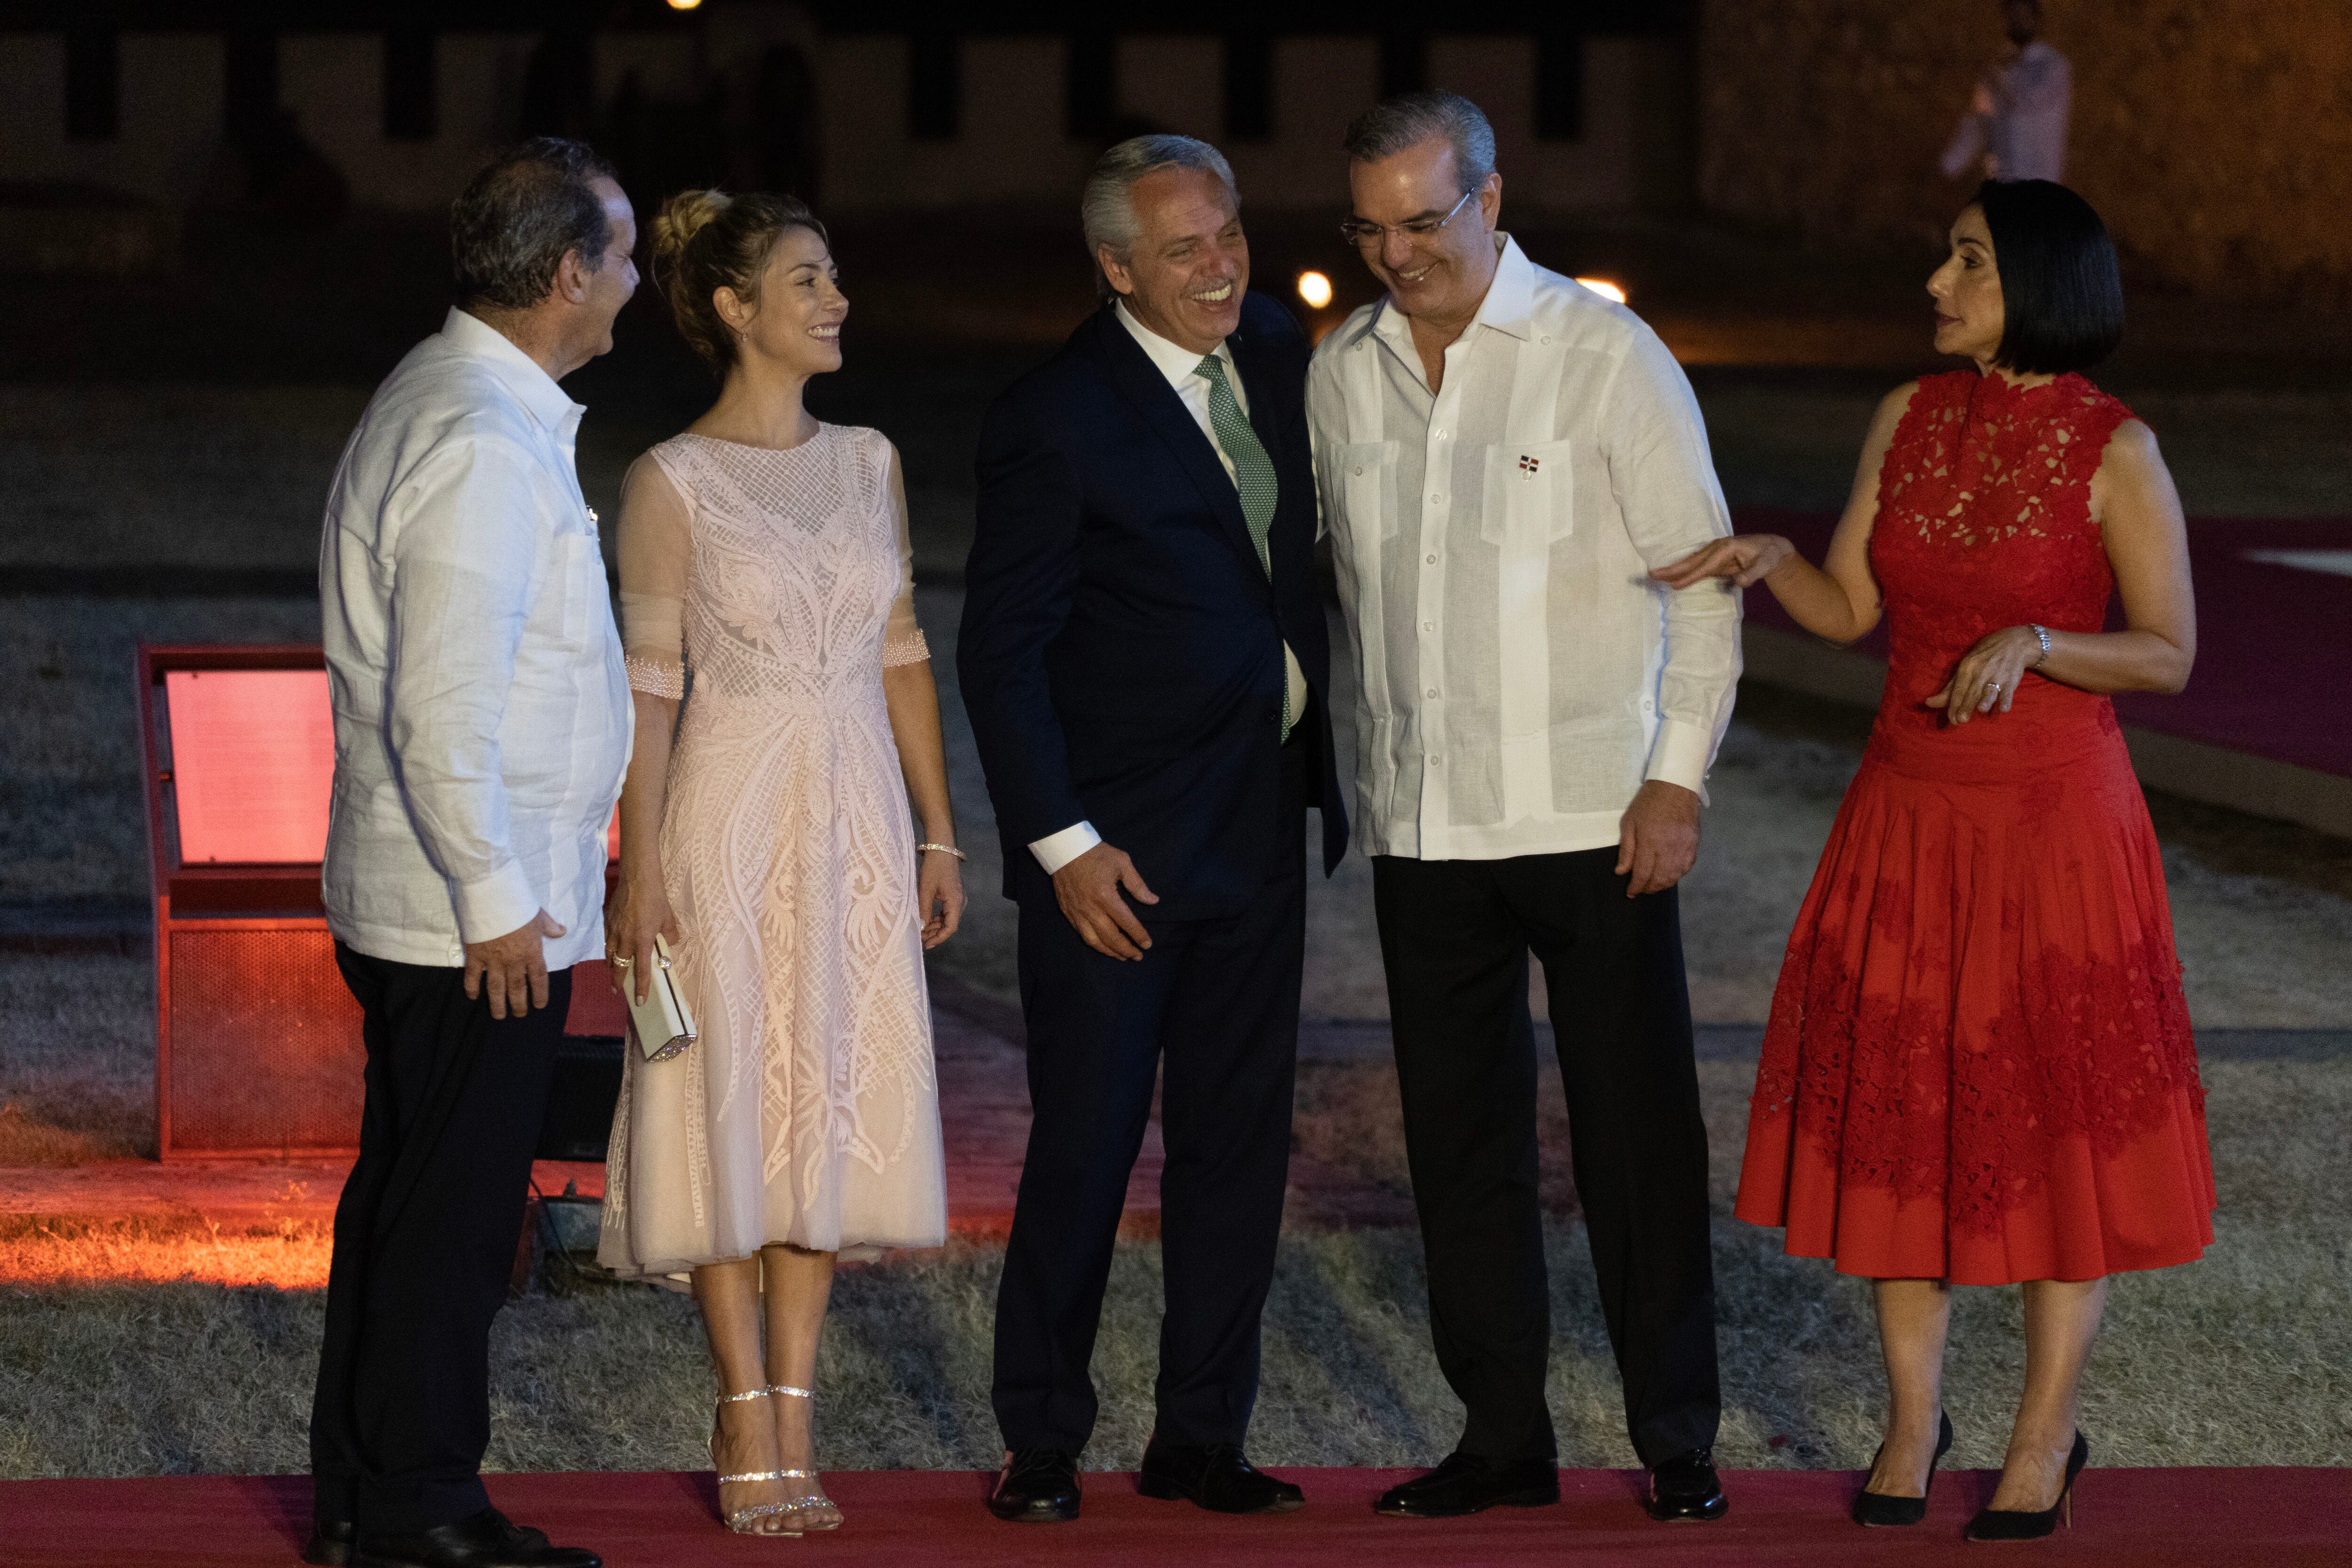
<point x="1218" y="1478"/>
<point x="1685" y="1488"/>
<point x="1465" y="1483"/>
<point x="1039" y="1486"/>
<point x="329" y="1545"/>
<point x="486" y="1539"/>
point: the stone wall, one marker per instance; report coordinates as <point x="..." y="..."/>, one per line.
<point x="2215" y="136"/>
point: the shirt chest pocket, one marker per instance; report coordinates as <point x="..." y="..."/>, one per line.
<point x="1529" y="489"/>
<point x="1362" y="492"/>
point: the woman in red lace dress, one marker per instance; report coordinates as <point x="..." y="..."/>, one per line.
<point x="1979" y="1069"/>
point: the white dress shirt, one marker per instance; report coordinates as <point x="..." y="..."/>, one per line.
<point x="1518" y="674"/>
<point x="482" y="716"/>
<point x="2024" y="135"/>
<point x="1182" y="366"/>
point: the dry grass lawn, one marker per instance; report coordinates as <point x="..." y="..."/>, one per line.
<point x="2237" y="1360"/>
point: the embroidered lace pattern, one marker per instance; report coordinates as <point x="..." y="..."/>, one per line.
<point x="1913" y="1044"/>
<point x="787" y="853"/>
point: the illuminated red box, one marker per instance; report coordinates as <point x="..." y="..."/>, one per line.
<point x="257" y="1047"/>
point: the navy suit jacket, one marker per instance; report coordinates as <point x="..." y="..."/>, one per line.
<point x="1122" y="650"/>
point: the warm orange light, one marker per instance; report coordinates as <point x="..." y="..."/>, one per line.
<point x="1605" y="289"/>
<point x="684" y="4"/>
<point x="1314" y="289"/>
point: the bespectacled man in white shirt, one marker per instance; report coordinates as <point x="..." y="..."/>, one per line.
<point x="482" y="725"/>
<point x="1503" y="457"/>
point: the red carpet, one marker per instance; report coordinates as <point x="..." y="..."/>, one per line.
<point x="2272" y="640"/>
<point x="1780" y="1518"/>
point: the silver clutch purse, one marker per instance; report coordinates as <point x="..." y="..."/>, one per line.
<point x="664" y="1021"/>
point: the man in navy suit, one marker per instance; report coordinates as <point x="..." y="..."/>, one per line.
<point x="1144" y="659"/>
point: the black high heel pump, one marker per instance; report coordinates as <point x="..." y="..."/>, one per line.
<point x="1871" y="1508"/>
<point x="2016" y="1524"/>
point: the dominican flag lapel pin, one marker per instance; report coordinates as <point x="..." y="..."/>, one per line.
<point x="1529" y="465"/>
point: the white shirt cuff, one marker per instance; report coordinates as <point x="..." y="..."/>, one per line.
<point x="1680" y="754"/>
<point x="500" y="903"/>
<point x="1056" y="850"/>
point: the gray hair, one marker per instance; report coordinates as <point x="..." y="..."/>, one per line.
<point x="1108" y="208"/>
<point x="510" y="227"/>
<point x="1387" y="129"/>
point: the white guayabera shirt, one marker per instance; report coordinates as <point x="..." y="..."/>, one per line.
<point x="1519" y="675"/>
<point x="482" y="715"/>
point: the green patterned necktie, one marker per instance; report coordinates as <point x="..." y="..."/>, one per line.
<point x="1253" y="476"/>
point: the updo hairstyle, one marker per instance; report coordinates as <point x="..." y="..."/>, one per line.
<point x="708" y="240"/>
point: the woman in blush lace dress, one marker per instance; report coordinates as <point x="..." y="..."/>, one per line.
<point x="767" y="602"/>
<point x="1979" y="1069"/>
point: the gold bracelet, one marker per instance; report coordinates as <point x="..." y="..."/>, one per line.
<point x="942" y="848"/>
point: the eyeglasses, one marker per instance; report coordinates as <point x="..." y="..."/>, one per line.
<point x="1365" y="235"/>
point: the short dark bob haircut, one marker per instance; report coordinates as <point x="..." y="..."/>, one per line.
<point x="2061" y="292"/>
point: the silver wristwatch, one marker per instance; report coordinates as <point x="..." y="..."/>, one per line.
<point x="2042" y="635"/>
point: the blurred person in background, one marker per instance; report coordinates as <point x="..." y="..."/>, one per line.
<point x="787" y="718"/>
<point x="1503" y="457"/>
<point x="482" y="723"/>
<point x="1145" y="662"/>
<point x="1979" y="1069"/>
<point x="2015" y="128"/>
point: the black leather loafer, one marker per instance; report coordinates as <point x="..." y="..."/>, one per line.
<point x="329" y="1545"/>
<point x="1217" y="1476"/>
<point x="1465" y="1483"/>
<point x="1039" y="1486"/>
<point x="486" y="1539"/>
<point x="1685" y="1488"/>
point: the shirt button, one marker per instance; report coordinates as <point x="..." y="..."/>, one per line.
<point x="1360" y="473"/>
<point x="1437" y="498"/>
<point x="1431" y="692"/>
<point x="1429" y="626"/>
<point x="1433" y="560"/>
<point x="1436" y="761"/>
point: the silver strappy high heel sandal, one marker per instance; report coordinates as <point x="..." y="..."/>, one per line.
<point x="745" y="1520"/>
<point x="812" y="1499"/>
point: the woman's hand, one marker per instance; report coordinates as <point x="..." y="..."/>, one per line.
<point x="640" y="911"/>
<point x="938" y="894"/>
<point x="1745" y="557"/>
<point x="1988" y="676"/>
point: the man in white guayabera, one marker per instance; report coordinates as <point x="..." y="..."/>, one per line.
<point x="1503" y="457"/>
<point x="2015" y="128"/>
<point x="482" y="723"/>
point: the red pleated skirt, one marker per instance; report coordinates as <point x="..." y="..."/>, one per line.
<point x="1979" y="1067"/>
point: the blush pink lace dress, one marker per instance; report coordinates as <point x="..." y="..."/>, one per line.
<point x="1979" y="1065"/>
<point x="768" y="589"/>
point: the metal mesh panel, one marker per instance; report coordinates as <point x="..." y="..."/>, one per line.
<point x="266" y="1048"/>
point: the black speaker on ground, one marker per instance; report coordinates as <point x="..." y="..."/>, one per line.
<point x="579" y="1103"/>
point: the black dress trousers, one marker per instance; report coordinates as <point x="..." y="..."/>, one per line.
<point x="1219" y="999"/>
<point x="424" y="1244"/>
<point x="1454" y="939"/>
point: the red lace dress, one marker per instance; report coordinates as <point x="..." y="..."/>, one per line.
<point x="1979" y="1065"/>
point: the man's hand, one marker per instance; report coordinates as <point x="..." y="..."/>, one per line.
<point x="1657" y="839"/>
<point x="513" y="966"/>
<point x="1088" y="889"/>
